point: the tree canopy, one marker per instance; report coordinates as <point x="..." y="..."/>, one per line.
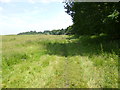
<point x="91" y="18"/>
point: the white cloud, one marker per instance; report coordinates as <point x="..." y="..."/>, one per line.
<point x="5" y="1"/>
<point x="14" y="25"/>
<point x="11" y="25"/>
<point x="62" y="20"/>
<point x="43" y="1"/>
<point x="49" y="1"/>
<point x="1" y="8"/>
<point x="31" y="1"/>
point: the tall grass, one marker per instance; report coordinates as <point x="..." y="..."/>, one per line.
<point x="56" y="61"/>
<point x="0" y="62"/>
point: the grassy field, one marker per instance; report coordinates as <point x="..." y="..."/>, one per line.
<point x="59" y="61"/>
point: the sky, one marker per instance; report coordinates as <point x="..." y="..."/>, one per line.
<point x="32" y="15"/>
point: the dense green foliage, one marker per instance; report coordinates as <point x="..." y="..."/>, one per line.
<point x="47" y="32"/>
<point x="95" y="18"/>
<point x="59" y="61"/>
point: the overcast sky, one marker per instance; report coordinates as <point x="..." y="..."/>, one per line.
<point x="25" y="15"/>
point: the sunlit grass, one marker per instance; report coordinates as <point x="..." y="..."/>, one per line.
<point x="55" y="61"/>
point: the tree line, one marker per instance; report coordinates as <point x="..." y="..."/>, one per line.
<point x="94" y="18"/>
<point x="48" y="32"/>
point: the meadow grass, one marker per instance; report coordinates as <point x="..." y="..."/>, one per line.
<point x="59" y="61"/>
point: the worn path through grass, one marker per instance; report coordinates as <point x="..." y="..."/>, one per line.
<point x="55" y="61"/>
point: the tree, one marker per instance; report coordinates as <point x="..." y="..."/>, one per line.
<point x="94" y="18"/>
